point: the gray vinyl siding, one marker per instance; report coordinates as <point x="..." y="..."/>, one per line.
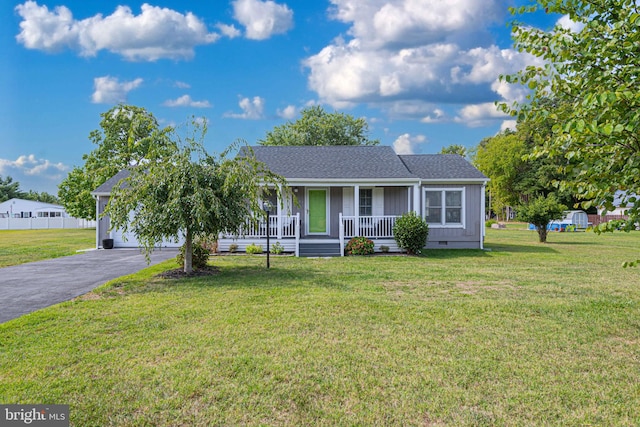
<point x="460" y="238"/>
<point x="395" y="200"/>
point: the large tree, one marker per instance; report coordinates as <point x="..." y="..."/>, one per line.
<point x="190" y="193"/>
<point x="318" y="127"/>
<point x="592" y="73"/>
<point x="516" y="176"/>
<point x="128" y="136"/>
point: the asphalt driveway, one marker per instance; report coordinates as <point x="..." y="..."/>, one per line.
<point x="29" y="287"/>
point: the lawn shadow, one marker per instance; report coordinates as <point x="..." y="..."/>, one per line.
<point x="539" y="248"/>
<point x="259" y="277"/>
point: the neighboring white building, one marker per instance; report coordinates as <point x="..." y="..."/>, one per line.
<point x="620" y="207"/>
<point x="19" y="214"/>
<point x="20" y="208"/>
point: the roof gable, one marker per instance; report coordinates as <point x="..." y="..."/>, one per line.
<point x="108" y="185"/>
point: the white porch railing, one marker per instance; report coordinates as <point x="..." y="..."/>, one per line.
<point x="373" y="227"/>
<point x="279" y="228"/>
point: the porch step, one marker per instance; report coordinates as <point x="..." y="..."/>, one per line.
<point x="319" y="249"/>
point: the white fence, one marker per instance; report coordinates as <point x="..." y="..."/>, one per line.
<point x="35" y="223"/>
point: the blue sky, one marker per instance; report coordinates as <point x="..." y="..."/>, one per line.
<point x="424" y="73"/>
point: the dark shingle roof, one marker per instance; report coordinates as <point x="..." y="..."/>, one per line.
<point x="441" y="167"/>
<point x="111" y="182"/>
<point x="332" y="162"/>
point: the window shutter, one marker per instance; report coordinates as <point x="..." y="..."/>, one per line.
<point x="347" y="201"/>
<point x="378" y="201"/>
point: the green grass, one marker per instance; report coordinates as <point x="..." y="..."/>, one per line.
<point x="20" y="246"/>
<point x="524" y="334"/>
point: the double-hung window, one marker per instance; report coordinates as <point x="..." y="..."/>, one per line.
<point x="366" y="202"/>
<point x="444" y="207"/>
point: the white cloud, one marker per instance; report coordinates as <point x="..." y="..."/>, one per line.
<point x="32" y="166"/>
<point x="289" y="112"/>
<point x="182" y="85"/>
<point x="477" y="115"/>
<point x="566" y="23"/>
<point x="108" y="90"/>
<point x="186" y="101"/>
<point x="407" y="144"/>
<point x="229" y="31"/>
<point x="420" y="53"/>
<point x="262" y="19"/>
<point x="508" y="124"/>
<point x="153" y="34"/>
<point x="252" y="109"/>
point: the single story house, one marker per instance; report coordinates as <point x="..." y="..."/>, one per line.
<point x="21" y="208"/>
<point x="347" y="191"/>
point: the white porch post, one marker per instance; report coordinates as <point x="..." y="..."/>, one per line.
<point x="341" y="233"/>
<point x="97" y="222"/>
<point x="297" y="232"/>
<point x="356" y="209"/>
<point x="416" y="199"/>
<point x="279" y="217"/>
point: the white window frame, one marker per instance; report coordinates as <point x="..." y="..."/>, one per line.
<point x="443" y="216"/>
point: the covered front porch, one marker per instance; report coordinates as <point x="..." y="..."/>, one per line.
<point x="286" y="230"/>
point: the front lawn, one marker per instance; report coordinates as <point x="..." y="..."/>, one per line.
<point x="523" y="334"/>
<point x="21" y="246"/>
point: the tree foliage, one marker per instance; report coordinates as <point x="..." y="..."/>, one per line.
<point x="516" y="176"/>
<point x="540" y="211"/>
<point x="128" y="136"/>
<point x="593" y="76"/>
<point x="455" y="149"/>
<point x="318" y="127"/>
<point x="10" y="189"/>
<point x="189" y="193"/>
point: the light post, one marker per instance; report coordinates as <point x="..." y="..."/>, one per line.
<point x="267" y="208"/>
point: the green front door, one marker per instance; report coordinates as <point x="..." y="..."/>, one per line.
<point x="318" y="211"/>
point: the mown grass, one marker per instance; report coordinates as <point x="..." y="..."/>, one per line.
<point x="524" y="334"/>
<point x="21" y="246"/>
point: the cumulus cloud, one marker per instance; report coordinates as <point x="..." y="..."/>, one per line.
<point x="252" y="109"/>
<point x="153" y="34"/>
<point x="229" y="31"/>
<point x="289" y="112"/>
<point x="409" y="57"/>
<point x="480" y="114"/>
<point x="509" y="124"/>
<point x="407" y="144"/>
<point x="566" y="23"/>
<point x="262" y="19"/>
<point x="32" y="166"/>
<point x="186" y="101"/>
<point x="109" y="90"/>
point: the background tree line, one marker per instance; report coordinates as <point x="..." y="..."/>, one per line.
<point x="10" y="189"/>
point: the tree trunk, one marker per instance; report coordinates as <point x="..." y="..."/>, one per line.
<point x="542" y="233"/>
<point x="188" y="253"/>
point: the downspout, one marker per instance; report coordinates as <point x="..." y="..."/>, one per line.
<point x="482" y="216"/>
<point x="97" y="221"/>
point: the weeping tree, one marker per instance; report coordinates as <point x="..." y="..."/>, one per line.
<point x="190" y="193"/>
